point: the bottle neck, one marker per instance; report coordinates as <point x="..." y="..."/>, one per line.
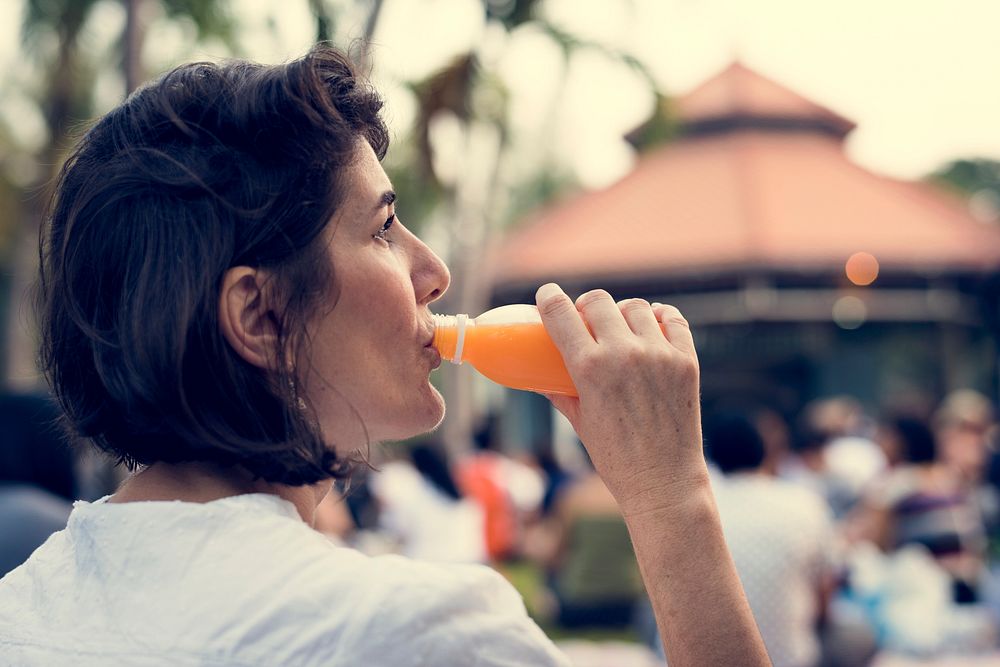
<point x="449" y="336"/>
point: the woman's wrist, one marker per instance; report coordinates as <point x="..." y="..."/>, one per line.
<point x="667" y="495"/>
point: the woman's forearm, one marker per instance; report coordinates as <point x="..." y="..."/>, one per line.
<point x="700" y="608"/>
<point x="638" y="414"/>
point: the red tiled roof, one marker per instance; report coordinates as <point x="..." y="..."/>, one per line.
<point x="747" y="198"/>
<point x="741" y="91"/>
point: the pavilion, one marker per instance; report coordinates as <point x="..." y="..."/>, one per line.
<point x="802" y="273"/>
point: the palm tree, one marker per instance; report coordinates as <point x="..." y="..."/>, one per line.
<point x="65" y="99"/>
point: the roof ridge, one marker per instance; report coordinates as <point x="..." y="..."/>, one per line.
<point x="738" y="91"/>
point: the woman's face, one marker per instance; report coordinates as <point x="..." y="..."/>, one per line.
<point x="370" y="355"/>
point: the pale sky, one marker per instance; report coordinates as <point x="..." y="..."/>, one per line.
<point x="919" y="77"/>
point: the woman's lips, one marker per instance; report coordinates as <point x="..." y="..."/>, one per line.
<point x="434" y="355"/>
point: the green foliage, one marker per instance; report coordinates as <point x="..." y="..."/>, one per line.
<point x="212" y="18"/>
<point x="417" y="196"/>
<point x="511" y="13"/>
<point x="9" y="215"/>
<point x="447" y="90"/>
<point x="53" y="33"/>
<point x="659" y="129"/>
<point x="970" y="176"/>
<point x="532" y="194"/>
<point x="70" y="67"/>
<point x="569" y="43"/>
<point x="65" y="17"/>
<point x="978" y="180"/>
<point x="325" y="22"/>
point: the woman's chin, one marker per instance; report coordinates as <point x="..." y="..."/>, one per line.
<point x="430" y="418"/>
<point x="419" y="421"/>
<point x="351" y="431"/>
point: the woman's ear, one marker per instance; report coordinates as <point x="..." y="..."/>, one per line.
<point x="246" y="316"/>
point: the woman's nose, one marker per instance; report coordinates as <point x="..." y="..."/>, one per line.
<point x="431" y="277"/>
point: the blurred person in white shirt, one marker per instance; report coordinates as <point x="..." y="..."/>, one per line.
<point x="423" y="509"/>
<point x="781" y="538"/>
<point x="835" y="455"/>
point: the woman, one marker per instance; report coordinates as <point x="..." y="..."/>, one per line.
<point x="230" y="305"/>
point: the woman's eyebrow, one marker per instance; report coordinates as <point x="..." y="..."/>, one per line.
<point x="387" y="198"/>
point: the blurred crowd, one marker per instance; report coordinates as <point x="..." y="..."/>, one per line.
<point x="857" y="535"/>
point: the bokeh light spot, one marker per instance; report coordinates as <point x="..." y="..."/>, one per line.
<point x="861" y="268"/>
<point x="849" y="312"/>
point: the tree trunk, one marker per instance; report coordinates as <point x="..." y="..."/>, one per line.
<point x="135" y="33"/>
<point x="370" y="25"/>
<point x="324" y="22"/>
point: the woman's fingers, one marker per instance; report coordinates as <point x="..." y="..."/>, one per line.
<point x="603" y="317"/>
<point x="604" y="320"/>
<point x="562" y="320"/>
<point x="640" y="318"/>
<point x="678" y="329"/>
<point x="637" y="411"/>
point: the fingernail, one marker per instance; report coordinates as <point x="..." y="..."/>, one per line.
<point x="656" y="304"/>
<point x="547" y="291"/>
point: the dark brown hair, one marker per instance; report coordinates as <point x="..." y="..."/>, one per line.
<point x="210" y="167"/>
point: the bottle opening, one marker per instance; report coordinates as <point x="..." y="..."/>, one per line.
<point x="449" y="336"/>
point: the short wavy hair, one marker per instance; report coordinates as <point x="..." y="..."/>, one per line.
<point x="210" y="167"/>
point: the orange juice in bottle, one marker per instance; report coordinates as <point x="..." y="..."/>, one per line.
<point x="509" y="345"/>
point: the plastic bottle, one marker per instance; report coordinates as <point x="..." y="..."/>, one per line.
<point x="509" y="345"/>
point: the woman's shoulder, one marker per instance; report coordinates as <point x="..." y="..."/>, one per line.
<point x="245" y="579"/>
<point x="352" y="608"/>
<point x="411" y="612"/>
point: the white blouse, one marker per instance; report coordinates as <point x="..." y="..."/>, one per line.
<point x="243" y="581"/>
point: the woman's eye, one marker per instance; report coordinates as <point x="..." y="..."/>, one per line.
<point x="383" y="232"/>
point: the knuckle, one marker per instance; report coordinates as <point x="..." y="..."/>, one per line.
<point x="556" y="305"/>
<point x="661" y="355"/>
<point x="634" y="358"/>
<point x="688" y="369"/>
<point x="633" y="355"/>
<point x="620" y="359"/>
<point x="594" y="295"/>
<point x="674" y="315"/>
<point x="633" y="305"/>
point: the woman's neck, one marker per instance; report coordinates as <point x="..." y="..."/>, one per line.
<point x="205" y="482"/>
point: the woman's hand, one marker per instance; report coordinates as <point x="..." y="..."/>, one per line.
<point x="638" y="407"/>
<point x="638" y="416"/>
